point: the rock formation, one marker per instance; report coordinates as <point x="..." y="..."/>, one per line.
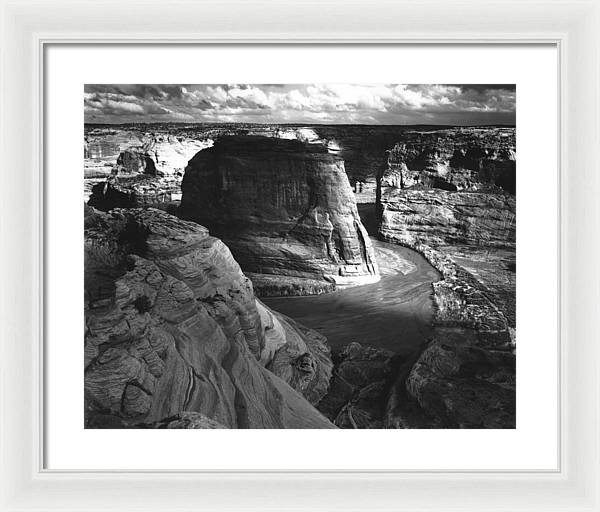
<point x="135" y="192"/>
<point x="159" y="155"/>
<point x="358" y="392"/>
<point x="438" y="217"/>
<point x="184" y="420"/>
<point x="146" y="174"/>
<point x="454" y="159"/>
<point x="450" y="187"/>
<point x="175" y="337"/>
<point x="363" y="148"/>
<point x="465" y="377"/>
<point x="464" y="382"/>
<point x="450" y="196"/>
<point x="471" y="155"/>
<point x="173" y="327"/>
<point x="284" y="208"/>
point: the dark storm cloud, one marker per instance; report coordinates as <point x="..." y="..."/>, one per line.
<point x="306" y="103"/>
<point x="153" y="92"/>
<point x="488" y="87"/>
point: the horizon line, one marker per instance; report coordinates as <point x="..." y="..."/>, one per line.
<point x="509" y="125"/>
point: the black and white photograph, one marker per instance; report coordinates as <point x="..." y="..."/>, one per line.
<point x="299" y="256"/>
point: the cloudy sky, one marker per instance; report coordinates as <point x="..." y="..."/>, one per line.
<point x="306" y="103"/>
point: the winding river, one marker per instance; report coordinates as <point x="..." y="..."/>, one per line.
<point x="394" y="313"/>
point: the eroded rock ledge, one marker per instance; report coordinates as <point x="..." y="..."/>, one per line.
<point x="173" y="327"/>
<point x="285" y="209"/>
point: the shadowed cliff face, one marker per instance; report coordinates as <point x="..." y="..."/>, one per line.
<point x="472" y="159"/>
<point x="285" y="208"/>
<point x="173" y="327"/>
<point x="135" y="191"/>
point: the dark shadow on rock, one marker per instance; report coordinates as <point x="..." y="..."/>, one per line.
<point x="368" y="217"/>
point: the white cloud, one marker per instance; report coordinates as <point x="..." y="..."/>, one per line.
<point x="341" y="103"/>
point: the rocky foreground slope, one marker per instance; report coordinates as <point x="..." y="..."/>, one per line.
<point x="285" y="209"/>
<point x="176" y="339"/>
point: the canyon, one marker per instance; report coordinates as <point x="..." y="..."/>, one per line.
<point x="296" y="276"/>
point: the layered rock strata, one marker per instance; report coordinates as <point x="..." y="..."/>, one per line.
<point x="438" y="217"/>
<point x="135" y="192"/>
<point x="475" y="159"/>
<point x="144" y="174"/>
<point x="469" y="151"/>
<point x="450" y="187"/>
<point x="159" y="155"/>
<point x="173" y="327"/>
<point x="284" y="208"/>
<point x="452" y="199"/>
<point x="164" y="149"/>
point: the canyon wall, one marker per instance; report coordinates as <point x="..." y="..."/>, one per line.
<point x="363" y="148"/>
<point x="159" y="155"/>
<point x="438" y="217"/>
<point x="450" y="187"/>
<point x="475" y="159"/>
<point x="450" y="196"/>
<point x="148" y="172"/>
<point x="136" y="191"/>
<point x="175" y="336"/>
<point x="285" y="209"/>
<point x="139" y="166"/>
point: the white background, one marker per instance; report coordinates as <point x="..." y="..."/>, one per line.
<point x="532" y="446"/>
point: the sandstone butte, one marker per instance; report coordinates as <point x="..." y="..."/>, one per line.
<point x="286" y="210"/>
<point x="175" y="337"/>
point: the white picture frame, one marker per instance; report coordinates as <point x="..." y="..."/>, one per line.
<point x="28" y="28"/>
